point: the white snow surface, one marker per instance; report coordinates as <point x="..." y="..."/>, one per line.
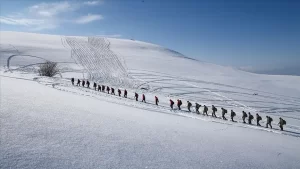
<point x="48" y="123"/>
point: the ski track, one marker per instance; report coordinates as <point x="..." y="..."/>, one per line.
<point x="102" y="64"/>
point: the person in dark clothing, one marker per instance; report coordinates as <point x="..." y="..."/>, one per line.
<point x="99" y="88"/>
<point x="107" y="89"/>
<point x="83" y="83"/>
<point x="125" y="93"/>
<point x="103" y="88"/>
<point x="197" y="106"/>
<point x="143" y="98"/>
<point x="205" y="109"/>
<point x="232" y="114"/>
<point x="281" y="123"/>
<point x="78" y="82"/>
<point x="72" y="80"/>
<point x="269" y="121"/>
<point x="179" y="104"/>
<point x="156" y="100"/>
<point x="113" y="91"/>
<point x="88" y="84"/>
<point x="258" y="118"/>
<point x="171" y="104"/>
<point x="136" y="96"/>
<point x="224" y="111"/>
<point x="214" y="109"/>
<point x="244" y="116"/>
<point x="250" y="118"/>
<point x="119" y="92"/>
<point x="95" y="85"/>
<point x="189" y="105"/>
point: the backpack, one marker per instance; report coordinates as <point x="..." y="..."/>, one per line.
<point x="259" y="118"/>
<point x="283" y="122"/>
<point x="251" y="117"/>
<point x="233" y="114"/>
<point x="245" y="115"/>
<point x="271" y="119"/>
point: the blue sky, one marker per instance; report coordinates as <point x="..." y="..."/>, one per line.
<point x="254" y="35"/>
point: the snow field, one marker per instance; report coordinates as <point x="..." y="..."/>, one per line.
<point x="96" y="134"/>
<point x="48" y="123"/>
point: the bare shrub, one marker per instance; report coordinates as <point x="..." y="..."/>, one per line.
<point x="49" y="69"/>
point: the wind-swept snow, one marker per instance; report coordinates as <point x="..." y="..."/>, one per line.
<point x="48" y="123"/>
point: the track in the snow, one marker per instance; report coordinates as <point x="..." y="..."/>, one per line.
<point x="101" y="63"/>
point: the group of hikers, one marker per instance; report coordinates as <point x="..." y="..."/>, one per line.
<point x="232" y="114"/>
<point x="111" y="90"/>
<point x="98" y="87"/>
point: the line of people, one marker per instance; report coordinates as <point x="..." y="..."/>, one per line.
<point x="111" y="90"/>
<point x="98" y="87"/>
<point x="232" y="114"/>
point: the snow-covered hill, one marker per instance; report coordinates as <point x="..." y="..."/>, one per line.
<point x="48" y="123"/>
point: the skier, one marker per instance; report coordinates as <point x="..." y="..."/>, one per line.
<point x="136" y="96"/>
<point x="250" y="118"/>
<point x="232" y="114"/>
<point x="119" y="92"/>
<point x="171" y="104"/>
<point x="143" y="98"/>
<point x="214" y="109"/>
<point x="88" y="84"/>
<point x="156" y="100"/>
<point x="78" y="82"/>
<point x="113" y="91"/>
<point x="281" y="123"/>
<point x="258" y="118"/>
<point x="107" y="89"/>
<point x="269" y="121"/>
<point x="224" y="111"/>
<point x="83" y="83"/>
<point x="72" y="80"/>
<point x="197" y="108"/>
<point x="205" y="109"/>
<point x="103" y="88"/>
<point x="99" y="88"/>
<point x="244" y="116"/>
<point x="179" y="104"/>
<point x="95" y="85"/>
<point x="189" y="105"/>
<point x="125" y="93"/>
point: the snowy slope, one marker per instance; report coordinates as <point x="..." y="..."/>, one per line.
<point x="159" y="69"/>
<point x="105" y="131"/>
<point x="96" y="134"/>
